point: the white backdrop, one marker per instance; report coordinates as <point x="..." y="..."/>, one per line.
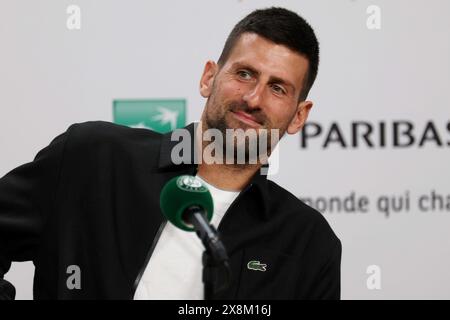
<point x="51" y="77"/>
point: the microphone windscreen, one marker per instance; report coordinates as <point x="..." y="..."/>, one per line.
<point x="182" y="192"/>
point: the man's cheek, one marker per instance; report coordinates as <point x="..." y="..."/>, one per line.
<point x="233" y="89"/>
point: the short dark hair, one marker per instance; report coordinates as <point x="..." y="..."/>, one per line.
<point x="280" y="26"/>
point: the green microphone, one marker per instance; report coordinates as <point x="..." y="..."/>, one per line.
<point x="186" y="202"/>
<point x="180" y="195"/>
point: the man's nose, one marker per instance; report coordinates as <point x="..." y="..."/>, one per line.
<point x="253" y="97"/>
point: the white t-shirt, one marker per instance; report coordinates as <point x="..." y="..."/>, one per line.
<point x="174" y="271"/>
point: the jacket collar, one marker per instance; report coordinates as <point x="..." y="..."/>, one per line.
<point x="258" y="182"/>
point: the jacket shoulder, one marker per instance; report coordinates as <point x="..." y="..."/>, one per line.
<point x="299" y="213"/>
<point x="95" y="130"/>
<point x="93" y="134"/>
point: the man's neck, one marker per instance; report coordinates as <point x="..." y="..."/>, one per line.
<point x="227" y="177"/>
<point x="233" y="177"/>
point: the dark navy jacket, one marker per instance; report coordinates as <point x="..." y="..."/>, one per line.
<point x="91" y="199"/>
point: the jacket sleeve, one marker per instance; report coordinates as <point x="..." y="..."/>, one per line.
<point x="26" y="198"/>
<point x="328" y="284"/>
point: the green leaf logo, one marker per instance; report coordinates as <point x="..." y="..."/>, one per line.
<point x="157" y="115"/>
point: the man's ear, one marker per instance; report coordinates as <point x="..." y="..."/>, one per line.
<point x="300" y="116"/>
<point x="207" y="79"/>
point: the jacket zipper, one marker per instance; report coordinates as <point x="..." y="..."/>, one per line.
<point x="234" y="202"/>
<point x="147" y="258"/>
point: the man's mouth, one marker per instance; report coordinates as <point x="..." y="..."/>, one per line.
<point x="246" y="118"/>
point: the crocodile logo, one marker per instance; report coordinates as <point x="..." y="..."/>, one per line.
<point x="256" y="265"/>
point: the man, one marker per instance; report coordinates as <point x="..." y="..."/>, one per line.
<point x="86" y="210"/>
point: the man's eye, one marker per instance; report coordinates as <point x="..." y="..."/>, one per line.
<point x="244" y="74"/>
<point x="278" y="89"/>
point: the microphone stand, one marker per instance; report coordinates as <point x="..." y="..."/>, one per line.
<point x="212" y="271"/>
<point x="216" y="267"/>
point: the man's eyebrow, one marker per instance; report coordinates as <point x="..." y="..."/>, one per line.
<point x="272" y="79"/>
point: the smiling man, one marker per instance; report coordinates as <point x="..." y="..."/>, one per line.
<point x="257" y="84"/>
<point x="90" y="201"/>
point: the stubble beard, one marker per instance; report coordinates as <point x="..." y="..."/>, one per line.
<point x="215" y="118"/>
